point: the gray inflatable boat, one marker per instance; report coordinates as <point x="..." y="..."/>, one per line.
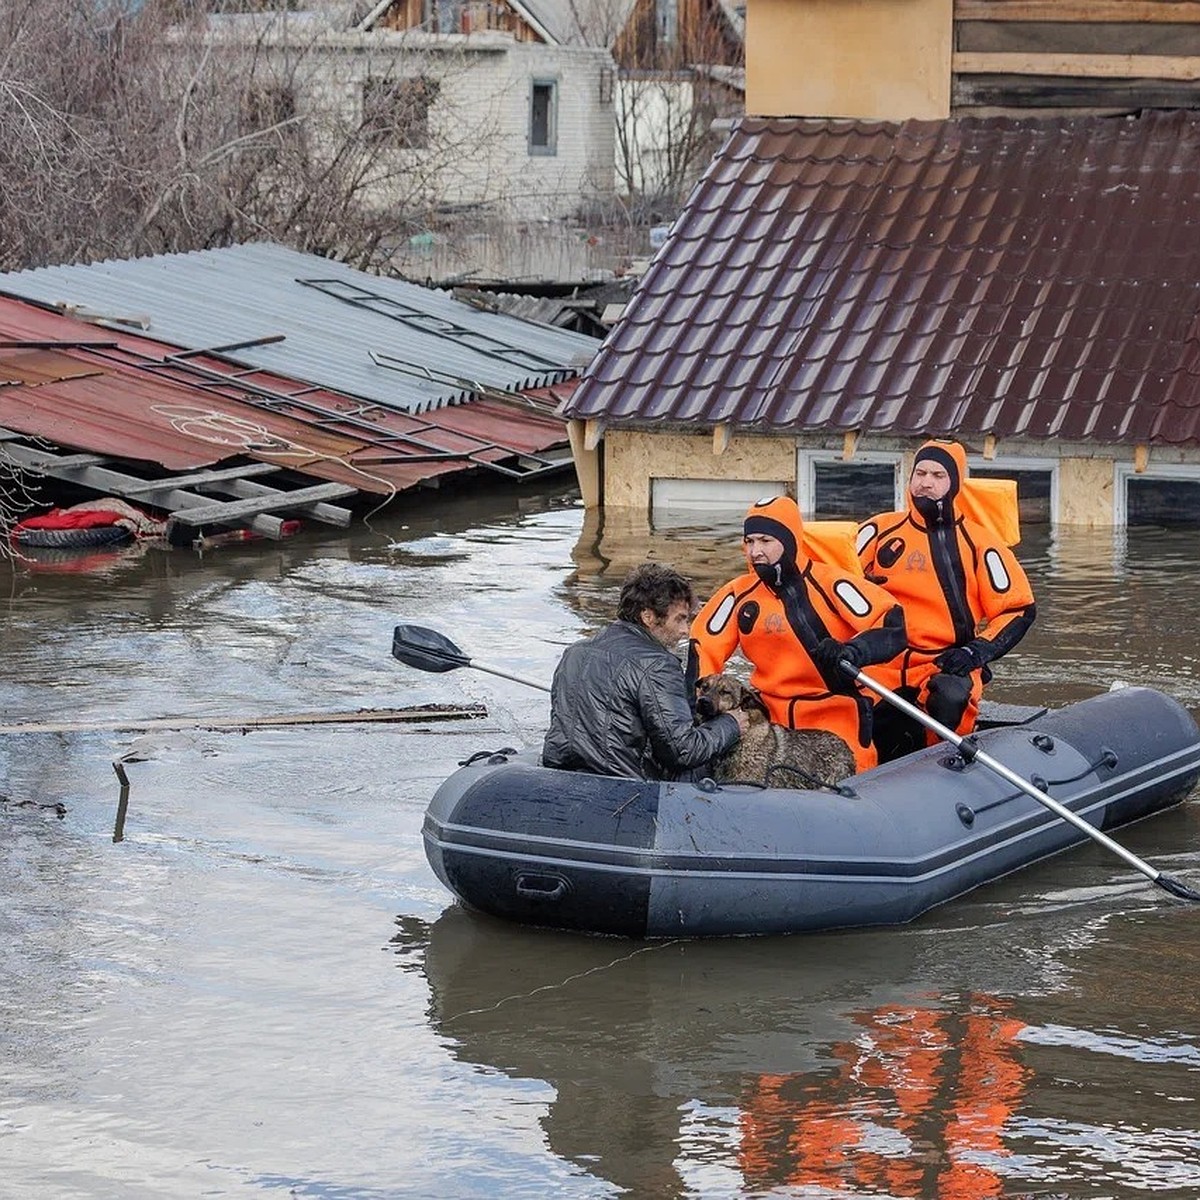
<point x="641" y="859"/>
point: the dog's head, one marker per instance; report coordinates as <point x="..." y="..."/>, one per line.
<point x="716" y="694"/>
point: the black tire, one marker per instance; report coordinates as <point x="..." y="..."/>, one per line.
<point x="73" y="539"/>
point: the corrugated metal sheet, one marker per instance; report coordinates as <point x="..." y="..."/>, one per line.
<point x="414" y="349"/>
<point x="1029" y="278"/>
<point x="120" y="399"/>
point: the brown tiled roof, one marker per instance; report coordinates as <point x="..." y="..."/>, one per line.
<point x="1030" y="278"/>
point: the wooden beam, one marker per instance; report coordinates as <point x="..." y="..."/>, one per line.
<point x="1078" y="66"/>
<point x="1141" y="459"/>
<point x="593" y="432"/>
<point x="722" y="432"/>
<point x="226" y="511"/>
<point x="435" y="712"/>
<point x="1125" y="12"/>
<point x="989" y="447"/>
<point x="200" y="478"/>
<point x="849" y="444"/>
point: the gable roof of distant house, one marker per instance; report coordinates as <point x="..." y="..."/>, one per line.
<point x="401" y="345"/>
<point x="1028" y="278"/>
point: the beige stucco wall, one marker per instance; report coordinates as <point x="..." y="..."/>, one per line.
<point x="879" y="59"/>
<point x="632" y="458"/>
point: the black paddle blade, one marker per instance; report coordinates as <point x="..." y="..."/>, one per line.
<point x="1176" y="888"/>
<point x="426" y="649"/>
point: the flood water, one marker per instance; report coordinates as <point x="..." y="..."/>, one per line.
<point x="262" y="989"/>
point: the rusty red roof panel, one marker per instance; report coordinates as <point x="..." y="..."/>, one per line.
<point x="131" y="397"/>
<point x="1031" y="278"/>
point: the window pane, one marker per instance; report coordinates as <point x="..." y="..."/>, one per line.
<point x="1033" y="492"/>
<point x="853" y="491"/>
<point x="1163" y="501"/>
<point x="541" y="119"/>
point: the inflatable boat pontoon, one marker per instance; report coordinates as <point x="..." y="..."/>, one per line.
<point x="643" y="859"/>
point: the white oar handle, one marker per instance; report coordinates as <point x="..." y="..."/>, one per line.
<point x="972" y="751"/>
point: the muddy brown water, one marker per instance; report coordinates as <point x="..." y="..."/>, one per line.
<point x="263" y="990"/>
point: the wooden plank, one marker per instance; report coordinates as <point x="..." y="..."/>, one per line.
<point x="434" y="712"/>
<point x="200" y="477"/>
<point x="1101" y="95"/>
<point x="1126" y="12"/>
<point x="1079" y="66"/>
<point x="235" y="510"/>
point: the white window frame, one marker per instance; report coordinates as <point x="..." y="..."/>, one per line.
<point x="729" y="497"/>
<point x="806" y="473"/>
<point x="1048" y="466"/>
<point x="1123" y="472"/>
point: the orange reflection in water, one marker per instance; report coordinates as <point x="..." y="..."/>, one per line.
<point x="915" y="1107"/>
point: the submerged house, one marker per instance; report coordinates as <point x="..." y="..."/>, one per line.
<point x="948" y="224"/>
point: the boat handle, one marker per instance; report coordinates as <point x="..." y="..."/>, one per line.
<point x="542" y="887"/>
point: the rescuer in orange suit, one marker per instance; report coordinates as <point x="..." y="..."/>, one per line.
<point x="966" y="600"/>
<point x="795" y="619"/>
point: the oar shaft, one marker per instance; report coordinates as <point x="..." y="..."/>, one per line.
<point x="490" y="670"/>
<point x="919" y="714"/>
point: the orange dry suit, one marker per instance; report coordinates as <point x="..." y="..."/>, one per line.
<point x="782" y="615"/>
<point x="966" y="602"/>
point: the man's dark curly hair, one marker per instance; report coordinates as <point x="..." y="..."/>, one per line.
<point x="654" y="586"/>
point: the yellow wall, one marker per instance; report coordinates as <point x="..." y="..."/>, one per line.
<point x="632" y="458"/>
<point x="879" y="59"/>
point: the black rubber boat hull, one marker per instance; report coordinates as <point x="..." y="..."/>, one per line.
<point x="621" y="856"/>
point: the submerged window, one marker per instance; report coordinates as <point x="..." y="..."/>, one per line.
<point x="852" y="490"/>
<point x="543" y="117"/>
<point x="1033" y="492"/>
<point x="1162" y="501"/>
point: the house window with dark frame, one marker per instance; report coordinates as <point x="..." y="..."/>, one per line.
<point x="543" y="117"/>
<point x="396" y="111"/>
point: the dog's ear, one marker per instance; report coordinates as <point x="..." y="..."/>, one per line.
<point x="752" y="701"/>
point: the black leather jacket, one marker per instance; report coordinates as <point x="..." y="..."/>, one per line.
<point x="619" y="706"/>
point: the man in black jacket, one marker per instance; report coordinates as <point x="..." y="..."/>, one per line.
<point x="619" y="702"/>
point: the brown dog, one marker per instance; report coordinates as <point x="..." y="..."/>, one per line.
<point x="770" y="754"/>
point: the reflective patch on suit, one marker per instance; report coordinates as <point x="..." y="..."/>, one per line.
<point x="996" y="570"/>
<point x="720" y="617"/>
<point x="890" y="553"/>
<point x="851" y="597"/>
<point x="865" y="534"/>
<point x="747" y="615"/>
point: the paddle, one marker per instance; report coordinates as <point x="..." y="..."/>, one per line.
<point x="428" y="650"/>
<point x="970" y="752"/>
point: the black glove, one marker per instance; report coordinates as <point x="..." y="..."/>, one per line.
<point x="828" y="654"/>
<point x="959" y="660"/>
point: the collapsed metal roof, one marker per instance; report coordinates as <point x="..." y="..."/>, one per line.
<point x="1027" y="278"/>
<point x="129" y="397"/>
<point x="304" y="317"/>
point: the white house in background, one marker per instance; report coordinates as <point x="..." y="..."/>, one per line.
<point x="482" y="110"/>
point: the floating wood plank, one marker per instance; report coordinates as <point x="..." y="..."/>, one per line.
<point x="1125" y="12"/>
<point x="431" y="712"/>
<point x="1079" y="66"/>
<point x="227" y="511"/>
